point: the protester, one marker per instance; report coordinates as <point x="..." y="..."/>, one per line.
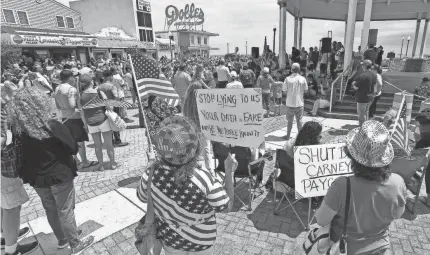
<point x="309" y="134"/>
<point x="370" y="53"/>
<point x="323" y="101"/>
<point x="66" y="100"/>
<point x="209" y="79"/>
<point x="379" y="56"/>
<point x="97" y="122"/>
<point x="181" y="82"/>
<point x="276" y="92"/>
<point x="423" y="119"/>
<point x="364" y="88"/>
<point x="265" y="82"/>
<point x="377" y="196"/>
<point x="111" y="92"/>
<point x="247" y="77"/>
<point x="13" y="196"/>
<point x="190" y="195"/>
<point x="235" y="83"/>
<point x="48" y="165"/>
<point x="378" y="90"/>
<point x="223" y="74"/>
<point x="129" y="80"/>
<point x="295" y="86"/>
<point x="423" y="90"/>
<point x="121" y="86"/>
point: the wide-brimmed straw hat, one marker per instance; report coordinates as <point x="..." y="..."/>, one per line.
<point x="177" y="140"/>
<point x="370" y="144"/>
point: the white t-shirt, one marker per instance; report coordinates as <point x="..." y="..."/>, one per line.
<point x="295" y="86"/>
<point x="234" y="85"/>
<point x="223" y="73"/>
<point x="119" y="83"/>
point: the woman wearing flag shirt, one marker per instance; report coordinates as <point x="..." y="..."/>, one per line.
<point x="185" y="195"/>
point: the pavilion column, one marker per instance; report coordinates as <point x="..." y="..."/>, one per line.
<point x="423" y="43"/>
<point x="346" y="27"/>
<point x="282" y="32"/>
<point x="350" y="30"/>
<point x="417" y="33"/>
<point x="366" y="24"/>
<point x="300" y="32"/>
<point x="296" y="28"/>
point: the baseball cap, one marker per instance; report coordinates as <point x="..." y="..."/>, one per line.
<point x="86" y="70"/>
<point x="266" y="70"/>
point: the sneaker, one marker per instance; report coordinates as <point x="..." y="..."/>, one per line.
<point x="120" y="144"/>
<point x="21" y="234"/>
<point x="23" y="249"/>
<point x="64" y="243"/>
<point x="83" y="245"/>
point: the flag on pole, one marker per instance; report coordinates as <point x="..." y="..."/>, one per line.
<point x="399" y="138"/>
<point x="147" y="82"/>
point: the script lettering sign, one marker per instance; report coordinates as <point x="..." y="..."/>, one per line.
<point x="188" y="16"/>
<point x="233" y="116"/>
<point x="317" y="166"/>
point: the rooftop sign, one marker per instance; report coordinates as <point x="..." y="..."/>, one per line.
<point x="188" y="17"/>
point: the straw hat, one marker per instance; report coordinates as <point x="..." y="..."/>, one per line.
<point x="177" y="141"/>
<point x="369" y="144"/>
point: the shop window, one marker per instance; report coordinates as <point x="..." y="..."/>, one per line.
<point x="199" y="40"/>
<point x="192" y="39"/>
<point x="205" y="40"/>
<point x="146" y="35"/>
<point x="60" y="21"/>
<point x="9" y="16"/>
<point x="144" y="19"/>
<point x="22" y="16"/>
<point x="70" y="23"/>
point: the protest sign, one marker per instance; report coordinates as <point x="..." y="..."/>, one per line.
<point x="317" y="166"/>
<point x="233" y="116"/>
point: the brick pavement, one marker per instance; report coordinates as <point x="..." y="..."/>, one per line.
<point x="258" y="231"/>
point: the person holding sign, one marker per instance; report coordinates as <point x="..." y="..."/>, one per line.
<point x="377" y="196"/>
<point x="185" y="195"/>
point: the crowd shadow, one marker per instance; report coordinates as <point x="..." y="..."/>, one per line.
<point x="132" y="182"/>
<point x="349" y="126"/>
<point x="136" y="126"/>
<point x="272" y="138"/>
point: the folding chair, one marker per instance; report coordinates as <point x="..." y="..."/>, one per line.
<point x="284" y="183"/>
<point x="413" y="171"/>
<point x="246" y="170"/>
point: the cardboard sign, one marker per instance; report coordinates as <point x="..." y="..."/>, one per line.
<point x="233" y="116"/>
<point x="317" y="166"/>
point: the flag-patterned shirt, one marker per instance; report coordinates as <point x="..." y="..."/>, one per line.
<point x="185" y="213"/>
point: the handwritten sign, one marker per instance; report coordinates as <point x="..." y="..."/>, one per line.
<point x="317" y="166"/>
<point x="233" y="116"/>
<point x="190" y="15"/>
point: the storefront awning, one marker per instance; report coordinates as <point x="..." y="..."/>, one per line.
<point x="122" y="44"/>
<point x="164" y="41"/>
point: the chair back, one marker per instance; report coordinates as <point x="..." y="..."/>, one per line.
<point x="408" y="166"/>
<point x="243" y="158"/>
<point x="286" y="164"/>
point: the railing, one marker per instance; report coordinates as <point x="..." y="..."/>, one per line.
<point x="341" y="85"/>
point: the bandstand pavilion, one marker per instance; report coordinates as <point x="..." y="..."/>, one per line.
<point x="351" y="11"/>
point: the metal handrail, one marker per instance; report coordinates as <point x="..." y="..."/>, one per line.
<point x="332" y="86"/>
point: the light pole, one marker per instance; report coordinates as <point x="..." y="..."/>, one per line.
<point x="171" y="38"/>
<point x="401" y="49"/>
<point x="407" y="46"/>
<point x="246" y="47"/>
<point x="274" y="36"/>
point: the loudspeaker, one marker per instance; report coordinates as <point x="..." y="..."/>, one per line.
<point x="255" y="52"/>
<point x="326" y="45"/>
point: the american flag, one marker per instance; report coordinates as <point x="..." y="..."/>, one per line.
<point x="147" y="74"/>
<point x="98" y="102"/>
<point x="399" y="138"/>
<point x="185" y="212"/>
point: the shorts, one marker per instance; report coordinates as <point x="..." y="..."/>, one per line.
<point x="13" y="193"/>
<point x="104" y="127"/>
<point x="76" y="128"/>
<point x="171" y="251"/>
<point x="278" y="101"/>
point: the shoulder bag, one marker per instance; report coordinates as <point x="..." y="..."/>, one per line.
<point x="11" y="157"/>
<point x="116" y="123"/>
<point x="318" y="240"/>
<point x="146" y="232"/>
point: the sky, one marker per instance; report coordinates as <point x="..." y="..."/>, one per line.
<point x="238" y="21"/>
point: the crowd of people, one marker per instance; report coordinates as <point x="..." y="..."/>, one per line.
<point x="180" y="182"/>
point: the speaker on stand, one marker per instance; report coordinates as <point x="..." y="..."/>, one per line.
<point x="255" y="52"/>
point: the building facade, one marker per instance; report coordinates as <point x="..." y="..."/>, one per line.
<point x="45" y="28"/>
<point x="118" y="25"/>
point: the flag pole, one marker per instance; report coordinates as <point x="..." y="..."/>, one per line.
<point x="140" y="104"/>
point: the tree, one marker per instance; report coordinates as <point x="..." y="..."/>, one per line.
<point x="10" y="54"/>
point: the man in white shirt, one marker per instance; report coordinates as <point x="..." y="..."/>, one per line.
<point x="295" y="87"/>
<point x="120" y="84"/>
<point x="235" y="84"/>
<point x="223" y="74"/>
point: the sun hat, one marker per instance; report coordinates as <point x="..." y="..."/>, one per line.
<point x="177" y="140"/>
<point x="370" y="144"/>
<point x="266" y="70"/>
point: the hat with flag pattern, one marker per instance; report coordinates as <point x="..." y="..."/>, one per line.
<point x="177" y="140"/>
<point x="370" y="144"/>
